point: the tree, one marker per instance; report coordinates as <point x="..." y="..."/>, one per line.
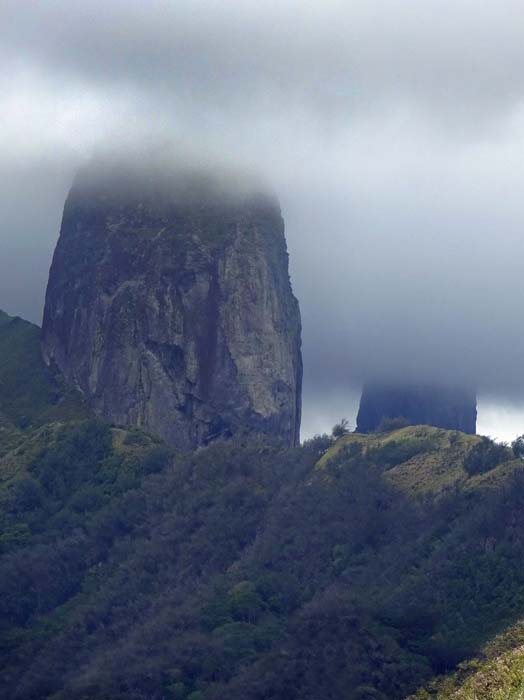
<point x="518" y="447"/>
<point x="340" y="429"/>
<point x="486" y="455"/>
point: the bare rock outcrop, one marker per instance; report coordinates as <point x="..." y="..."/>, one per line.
<point x="453" y="408"/>
<point x="169" y="305"/>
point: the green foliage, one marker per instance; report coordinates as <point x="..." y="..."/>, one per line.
<point x="27" y="495"/>
<point x="136" y="437"/>
<point x="340" y="429"/>
<point x="318" y="445"/>
<point x="498" y="673"/>
<point x="517" y="447"/>
<point x="29" y="393"/>
<point x="387" y="425"/>
<point x="394" y="452"/>
<point x="486" y="455"/>
<point x="246" y="571"/>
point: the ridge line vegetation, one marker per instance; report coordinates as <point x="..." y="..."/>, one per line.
<point x="355" y="569"/>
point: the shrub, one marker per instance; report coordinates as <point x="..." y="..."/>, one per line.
<point x="27" y="494"/>
<point x="518" y="447"/>
<point x="340" y="429"/>
<point x="318" y="445"/>
<point x="156" y="459"/>
<point x="486" y="455"/>
<point x="399" y="451"/>
<point x="137" y="438"/>
<point x="367" y="692"/>
<point x="387" y="425"/>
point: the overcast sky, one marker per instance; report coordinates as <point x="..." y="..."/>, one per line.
<point x="393" y="132"/>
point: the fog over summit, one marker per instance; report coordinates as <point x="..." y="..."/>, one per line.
<point x="393" y="134"/>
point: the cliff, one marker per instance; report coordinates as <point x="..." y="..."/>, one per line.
<point x="452" y="408"/>
<point x="169" y="305"/>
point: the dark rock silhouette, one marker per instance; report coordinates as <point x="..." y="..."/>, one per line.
<point x="444" y="407"/>
<point x="169" y="305"/>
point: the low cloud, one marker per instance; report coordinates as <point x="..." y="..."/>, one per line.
<point x="393" y="133"/>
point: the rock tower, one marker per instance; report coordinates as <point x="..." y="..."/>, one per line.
<point x="169" y="304"/>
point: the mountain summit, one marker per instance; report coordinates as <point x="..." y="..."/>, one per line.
<point x="169" y="304"/>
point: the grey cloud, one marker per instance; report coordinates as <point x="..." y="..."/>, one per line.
<point x="458" y="57"/>
<point x="392" y="131"/>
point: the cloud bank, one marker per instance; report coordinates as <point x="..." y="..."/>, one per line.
<point x="392" y="131"/>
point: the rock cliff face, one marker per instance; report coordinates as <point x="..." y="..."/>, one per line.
<point x="169" y="305"/>
<point x="443" y="407"/>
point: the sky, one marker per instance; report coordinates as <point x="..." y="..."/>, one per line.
<point x="392" y="131"/>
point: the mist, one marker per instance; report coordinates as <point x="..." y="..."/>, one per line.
<point x="392" y="132"/>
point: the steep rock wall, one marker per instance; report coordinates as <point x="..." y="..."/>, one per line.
<point x="452" y="408"/>
<point x="169" y="306"/>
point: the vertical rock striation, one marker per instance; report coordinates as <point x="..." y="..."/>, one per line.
<point x="169" y="305"/>
<point x="444" y="407"/>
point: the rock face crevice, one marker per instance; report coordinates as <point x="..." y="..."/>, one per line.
<point x="453" y="408"/>
<point x="169" y="306"/>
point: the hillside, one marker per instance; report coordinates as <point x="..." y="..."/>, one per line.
<point x="373" y="567"/>
<point x="245" y="571"/>
<point x="30" y="394"/>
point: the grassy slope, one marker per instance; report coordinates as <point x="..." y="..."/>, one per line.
<point x="437" y="467"/>
<point x="498" y="673"/>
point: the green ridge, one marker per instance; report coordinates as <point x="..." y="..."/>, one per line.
<point x="244" y="571"/>
<point x="29" y="394"/>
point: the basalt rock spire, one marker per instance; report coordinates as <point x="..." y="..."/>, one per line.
<point x="169" y="304"/>
<point x="454" y="408"/>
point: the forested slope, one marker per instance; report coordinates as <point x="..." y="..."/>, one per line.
<point x="249" y="571"/>
<point x="367" y="568"/>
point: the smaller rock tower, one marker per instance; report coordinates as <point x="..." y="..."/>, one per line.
<point x="444" y="407"/>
